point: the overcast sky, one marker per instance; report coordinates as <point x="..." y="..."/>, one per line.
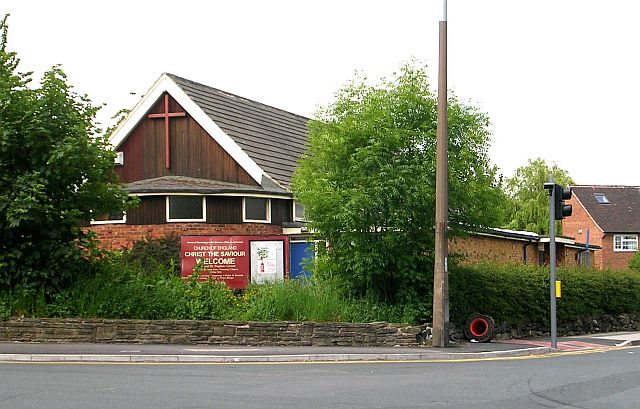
<point x="560" y="79"/>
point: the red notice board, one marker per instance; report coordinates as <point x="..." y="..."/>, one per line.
<point x="224" y="258"/>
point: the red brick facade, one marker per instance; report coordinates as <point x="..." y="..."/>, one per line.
<point x="120" y="236"/>
<point x="614" y="260"/>
<point x="577" y="226"/>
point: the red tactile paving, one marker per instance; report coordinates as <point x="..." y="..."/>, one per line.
<point x="563" y="346"/>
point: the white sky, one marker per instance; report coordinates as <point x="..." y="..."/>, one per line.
<point x="559" y="79"/>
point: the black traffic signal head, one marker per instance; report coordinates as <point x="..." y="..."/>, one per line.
<point x="560" y="195"/>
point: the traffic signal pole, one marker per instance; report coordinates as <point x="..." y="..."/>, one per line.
<point x="558" y="210"/>
<point x="552" y="262"/>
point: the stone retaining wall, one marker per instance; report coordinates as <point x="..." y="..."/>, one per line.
<point x="276" y="334"/>
<point x="208" y="332"/>
<point x="580" y="326"/>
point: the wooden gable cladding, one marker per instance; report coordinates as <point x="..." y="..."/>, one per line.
<point x="193" y="152"/>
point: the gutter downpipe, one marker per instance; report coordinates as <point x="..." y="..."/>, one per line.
<point x="524" y="250"/>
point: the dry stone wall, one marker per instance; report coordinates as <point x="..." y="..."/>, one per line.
<point x="579" y="326"/>
<point x="374" y="334"/>
<point x="208" y="332"/>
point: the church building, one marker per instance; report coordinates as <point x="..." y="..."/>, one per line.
<point x="214" y="168"/>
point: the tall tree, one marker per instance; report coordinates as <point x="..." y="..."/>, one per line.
<point x="528" y="208"/>
<point x="55" y="174"/>
<point x="368" y="181"/>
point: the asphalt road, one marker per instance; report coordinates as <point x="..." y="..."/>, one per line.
<point x="585" y="380"/>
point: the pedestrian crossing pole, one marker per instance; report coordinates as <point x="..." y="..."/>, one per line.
<point x="440" y="330"/>
<point x="552" y="258"/>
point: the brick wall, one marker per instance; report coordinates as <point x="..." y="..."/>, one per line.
<point x="576" y="226"/>
<point x="477" y="249"/>
<point x="615" y="260"/>
<point x="118" y="236"/>
<point x="208" y="332"/>
<point x="568" y="257"/>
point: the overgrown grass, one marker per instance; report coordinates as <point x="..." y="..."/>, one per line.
<point x="122" y="288"/>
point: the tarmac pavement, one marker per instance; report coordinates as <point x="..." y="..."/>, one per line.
<point x="169" y="353"/>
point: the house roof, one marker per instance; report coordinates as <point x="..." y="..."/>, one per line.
<point x="265" y="141"/>
<point x="273" y="138"/>
<point x="182" y="184"/>
<point x="622" y="212"/>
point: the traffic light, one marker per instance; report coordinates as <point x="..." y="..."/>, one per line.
<point x="561" y="194"/>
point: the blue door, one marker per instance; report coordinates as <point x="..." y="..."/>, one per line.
<point x="300" y="253"/>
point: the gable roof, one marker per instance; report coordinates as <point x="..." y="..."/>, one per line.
<point x="265" y="141"/>
<point x="620" y="215"/>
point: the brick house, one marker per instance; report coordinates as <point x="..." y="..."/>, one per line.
<point x="610" y="217"/>
<point x="204" y="162"/>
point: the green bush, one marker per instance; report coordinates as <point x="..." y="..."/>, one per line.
<point x="634" y="263"/>
<point x="518" y="294"/>
<point x="200" y="300"/>
<point x="5" y="310"/>
<point x="154" y="253"/>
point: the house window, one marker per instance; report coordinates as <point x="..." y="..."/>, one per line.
<point x="601" y="198"/>
<point x="298" y="212"/>
<point x="110" y="218"/>
<point x="625" y="242"/>
<point x="186" y="209"/>
<point x="257" y="209"/>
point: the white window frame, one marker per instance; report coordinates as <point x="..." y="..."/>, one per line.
<point x="114" y="221"/>
<point x="244" y="210"/>
<point x="625" y="239"/>
<point x="297" y="218"/>
<point x="119" y="159"/>
<point x="204" y="210"/>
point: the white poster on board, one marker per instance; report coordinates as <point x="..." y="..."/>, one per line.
<point x="267" y="261"/>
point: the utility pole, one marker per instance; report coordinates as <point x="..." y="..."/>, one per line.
<point x="440" y="331"/>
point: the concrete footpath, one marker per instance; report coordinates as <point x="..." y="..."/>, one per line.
<point x="150" y="353"/>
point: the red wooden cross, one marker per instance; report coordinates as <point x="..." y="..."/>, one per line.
<point x="166" y="115"/>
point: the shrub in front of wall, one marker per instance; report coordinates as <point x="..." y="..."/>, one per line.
<point x="634" y="263"/>
<point x="510" y="294"/>
<point x="124" y="289"/>
<point x="153" y="253"/>
<point x="118" y="289"/>
<point x="517" y="294"/>
<point x="588" y="293"/>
